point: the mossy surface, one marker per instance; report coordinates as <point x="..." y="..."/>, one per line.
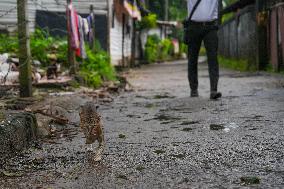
<point x="236" y="64"/>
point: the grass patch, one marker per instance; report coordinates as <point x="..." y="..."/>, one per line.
<point x="250" y="180"/>
<point x="122" y="177"/>
<point x="150" y="105"/>
<point x="140" y="168"/>
<point x="121" y="136"/>
<point x="236" y="64"/>
<point x="2" y="116"/>
<point x="269" y="68"/>
<point x="187" y="129"/>
<point x="178" y="156"/>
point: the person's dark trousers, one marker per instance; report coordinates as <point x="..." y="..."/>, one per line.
<point x="207" y="34"/>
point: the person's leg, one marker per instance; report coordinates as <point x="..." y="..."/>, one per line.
<point x="195" y="40"/>
<point x="211" y="45"/>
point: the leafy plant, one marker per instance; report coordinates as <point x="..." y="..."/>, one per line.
<point x="157" y="49"/>
<point x="183" y="48"/>
<point x="151" y="48"/>
<point x="9" y="44"/>
<point x="147" y="22"/>
<point x="166" y="49"/>
<point x="40" y="44"/>
<point x="97" y="68"/>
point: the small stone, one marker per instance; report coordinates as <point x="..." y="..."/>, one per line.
<point x="217" y="127"/>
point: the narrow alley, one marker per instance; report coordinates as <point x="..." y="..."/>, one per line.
<point x="159" y="137"/>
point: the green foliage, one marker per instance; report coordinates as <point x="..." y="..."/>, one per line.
<point x="177" y="9"/>
<point x="240" y="65"/>
<point x="178" y="33"/>
<point x="147" y="22"/>
<point x="183" y="48"/>
<point x="41" y="44"/>
<point x="9" y="44"/>
<point x="202" y="51"/>
<point x="62" y="51"/>
<point x="157" y="49"/>
<point x="227" y="17"/>
<point x="151" y="48"/>
<point x="97" y="68"/>
<point x="165" y="49"/>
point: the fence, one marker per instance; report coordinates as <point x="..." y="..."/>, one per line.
<point x="237" y="37"/>
<point x="276" y="36"/>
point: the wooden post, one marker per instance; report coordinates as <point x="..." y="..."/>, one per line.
<point x="92" y="28"/>
<point x="109" y="20"/>
<point x="261" y="35"/>
<point x="25" y="76"/>
<point x="123" y="38"/>
<point x="133" y="43"/>
<point x="166" y="12"/>
<point x="71" y="53"/>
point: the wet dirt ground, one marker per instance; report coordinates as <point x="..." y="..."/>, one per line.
<point x="159" y="137"/>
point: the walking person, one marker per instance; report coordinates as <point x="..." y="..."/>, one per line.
<point x="202" y="26"/>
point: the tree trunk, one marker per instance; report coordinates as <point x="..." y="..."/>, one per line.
<point x="25" y="77"/>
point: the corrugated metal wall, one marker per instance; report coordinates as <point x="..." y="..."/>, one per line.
<point x="277" y="37"/>
<point x="237" y="38"/>
<point x="10" y="20"/>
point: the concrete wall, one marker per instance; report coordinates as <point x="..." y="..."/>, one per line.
<point x="237" y="37"/>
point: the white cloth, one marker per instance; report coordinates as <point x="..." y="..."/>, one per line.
<point x="206" y="11"/>
<point x="86" y="26"/>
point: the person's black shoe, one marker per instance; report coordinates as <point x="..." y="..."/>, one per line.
<point x="215" y="95"/>
<point x="194" y="93"/>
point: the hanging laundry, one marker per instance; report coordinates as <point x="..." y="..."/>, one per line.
<point x="91" y="22"/>
<point x="80" y="29"/>
<point x="82" y="41"/>
<point x="132" y="9"/>
<point x="86" y="26"/>
<point x="74" y="27"/>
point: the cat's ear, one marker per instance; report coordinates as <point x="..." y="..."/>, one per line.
<point x="97" y="107"/>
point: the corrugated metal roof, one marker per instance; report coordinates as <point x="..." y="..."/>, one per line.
<point x="82" y="6"/>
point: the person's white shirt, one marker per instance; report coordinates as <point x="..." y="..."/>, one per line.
<point x="206" y="11"/>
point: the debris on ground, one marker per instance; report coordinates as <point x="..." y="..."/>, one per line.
<point x="17" y="132"/>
